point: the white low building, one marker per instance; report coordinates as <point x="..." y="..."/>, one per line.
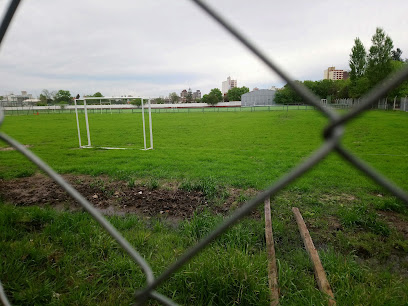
<point x="259" y="97"/>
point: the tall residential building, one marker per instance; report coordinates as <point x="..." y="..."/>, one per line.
<point x="183" y="96"/>
<point x="196" y="95"/>
<point x="228" y="84"/>
<point x="332" y="73"/>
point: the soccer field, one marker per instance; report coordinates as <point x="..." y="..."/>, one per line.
<point x="51" y="256"/>
<point x="236" y="149"/>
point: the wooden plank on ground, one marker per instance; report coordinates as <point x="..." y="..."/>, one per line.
<point x="321" y="278"/>
<point x="272" y="270"/>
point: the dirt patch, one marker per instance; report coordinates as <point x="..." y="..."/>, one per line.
<point x="395" y="220"/>
<point x="12" y="148"/>
<point x="344" y="197"/>
<point x="114" y="197"/>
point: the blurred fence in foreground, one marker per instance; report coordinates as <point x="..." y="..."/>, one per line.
<point x="333" y="134"/>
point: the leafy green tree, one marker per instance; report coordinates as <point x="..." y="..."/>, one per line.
<point x="63" y="96"/>
<point x="174" y="98"/>
<point x="379" y="57"/>
<point x="43" y="99"/>
<point x="396" y="55"/>
<point x="210" y="99"/>
<point x="1" y="97"/>
<point x="138" y="101"/>
<point x="234" y="94"/>
<point x="213" y="97"/>
<point x="357" y="60"/>
<point x="401" y="90"/>
<point x="326" y="88"/>
<point x="359" y="87"/>
<point x="343" y="88"/>
<point x="158" y="100"/>
<point x="287" y="95"/>
<point x="311" y="85"/>
<point x="97" y="94"/>
<point x="217" y="94"/>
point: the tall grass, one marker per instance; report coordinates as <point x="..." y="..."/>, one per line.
<point x="51" y="257"/>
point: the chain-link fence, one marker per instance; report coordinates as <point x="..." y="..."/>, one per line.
<point x="21" y="111"/>
<point x="333" y="134"/>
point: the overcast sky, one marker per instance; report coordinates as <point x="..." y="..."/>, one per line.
<point x="153" y="47"/>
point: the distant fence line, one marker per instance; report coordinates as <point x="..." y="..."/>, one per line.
<point x="156" y="108"/>
<point x="235" y="106"/>
<point x="395" y="103"/>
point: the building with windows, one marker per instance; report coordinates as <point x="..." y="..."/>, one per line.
<point x="258" y="97"/>
<point x="17" y="100"/>
<point x="228" y="84"/>
<point x="183" y="96"/>
<point x="332" y="73"/>
<point x="196" y="95"/>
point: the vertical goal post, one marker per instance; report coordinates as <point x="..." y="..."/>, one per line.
<point x="88" y="134"/>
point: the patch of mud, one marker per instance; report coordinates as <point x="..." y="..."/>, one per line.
<point x="12" y="148"/>
<point x="344" y="197"/>
<point x="395" y="220"/>
<point x="113" y="197"/>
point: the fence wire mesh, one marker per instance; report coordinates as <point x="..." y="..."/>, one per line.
<point x="333" y="134"/>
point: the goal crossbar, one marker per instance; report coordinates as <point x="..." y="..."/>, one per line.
<point x="88" y="134"/>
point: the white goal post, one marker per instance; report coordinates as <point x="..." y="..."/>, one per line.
<point x="89" y="145"/>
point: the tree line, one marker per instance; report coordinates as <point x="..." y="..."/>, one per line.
<point x="367" y="69"/>
<point x="213" y="97"/>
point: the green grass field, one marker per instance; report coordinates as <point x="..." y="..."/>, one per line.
<point x="51" y="257"/>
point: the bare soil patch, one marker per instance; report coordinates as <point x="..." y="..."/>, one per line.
<point x="112" y="197"/>
<point x="395" y="220"/>
<point x="12" y="148"/>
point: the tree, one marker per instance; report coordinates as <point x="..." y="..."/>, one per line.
<point x="63" y="96"/>
<point x="359" y="87"/>
<point x="43" y="99"/>
<point x="396" y="55"/>
<point x="210" y="99"/>
<point x="138" y="101"/>
<point x="158" y="100"/>
<point x="97" y="94"/>
<point x="379" y="58"/>
<point x="217" y="94"/>
<point x="50" y="95"/>
<point x="357" y="60"/>
<point x="174" y="98"/>
<point x="326" y="88"/>
<point x="343" y="88"/>
<point x="287" y="95"/>
<point x="213" y="97"/>
<point x="189" y="97"/>
<point x="234" y="94"/>
<point x="401" y="90"/>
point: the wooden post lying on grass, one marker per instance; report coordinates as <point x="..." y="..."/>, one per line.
<point x="321" y="278"/>
<point x="272" y="270"/>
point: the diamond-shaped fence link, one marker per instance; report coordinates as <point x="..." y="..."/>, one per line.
<point x="333" y="134"/>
